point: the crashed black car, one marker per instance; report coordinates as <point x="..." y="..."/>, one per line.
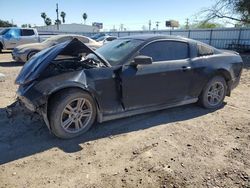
<point x="72" y="86"/>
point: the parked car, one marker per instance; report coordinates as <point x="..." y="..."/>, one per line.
<point x="98" y="35"/>
<point x="24" y="52"/>
<point x="14" y="36"/>
<point x="127" y="76"/>
<point x="105" y="39"/>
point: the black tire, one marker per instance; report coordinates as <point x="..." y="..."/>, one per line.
<point x="30" y="54"/>
<point x="217" y="95"/>
<point x="57" y="108"/>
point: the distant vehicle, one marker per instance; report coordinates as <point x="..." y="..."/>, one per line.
<point x="106" y="39"/>
<point x="128" y="76"/>
<point x="98" y="35"/>
<point x="14" y="36"/>
<point x="24" y="52"/>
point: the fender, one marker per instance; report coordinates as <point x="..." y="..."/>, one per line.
<point x="43" y="110"/>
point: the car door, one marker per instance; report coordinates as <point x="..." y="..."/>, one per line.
<point x="28" y="36"/>
<point x="166" y="80"/>
<point x="12" y="38"/>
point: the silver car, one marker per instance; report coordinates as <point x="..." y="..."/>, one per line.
<point x="24" y="52"/>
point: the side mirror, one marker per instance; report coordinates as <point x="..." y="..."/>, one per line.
<point x="142" y="60"/>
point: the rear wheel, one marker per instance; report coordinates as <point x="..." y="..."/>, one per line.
<point x="214" y="93"/>
<point x="71" y="113"/>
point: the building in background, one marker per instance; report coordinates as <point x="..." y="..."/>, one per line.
<point x="68" y="28"/>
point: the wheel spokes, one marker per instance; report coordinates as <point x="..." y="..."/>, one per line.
<point x="78" y="112"/>
<point x="67" y="123"/>
<point x="68" y="110"/>
<point x="215" y="93"/>
<point x="80" y="104"/>
<point x="86" y="113"/>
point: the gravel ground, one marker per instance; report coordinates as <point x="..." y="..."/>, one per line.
<point x="180" y="147"/>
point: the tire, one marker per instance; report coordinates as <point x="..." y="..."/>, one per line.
<point x="213" y="94"/>
<point x="31" y="54"/>
<point x="65" y="115"/>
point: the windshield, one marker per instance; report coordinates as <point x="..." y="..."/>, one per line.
<point x="50" y="40"/>
<point x="4" y="31"/>
<point x="116" y="51"/>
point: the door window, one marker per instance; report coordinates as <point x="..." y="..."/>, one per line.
<point x="204" y="50"/>
<point x="166" y="50"/>
<point x="28" y="32"/>
<point x="12" y="34"/>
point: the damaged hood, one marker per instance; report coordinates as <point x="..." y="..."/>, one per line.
<point x="39" y="62"/>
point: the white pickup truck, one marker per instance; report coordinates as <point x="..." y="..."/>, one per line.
<point x="14" y="36"/>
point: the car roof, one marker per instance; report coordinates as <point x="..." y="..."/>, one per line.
<point x="71" y="35"/>
<point x="151" y="37"/>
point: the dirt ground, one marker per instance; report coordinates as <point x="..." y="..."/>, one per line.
<point x="181" y="147"/>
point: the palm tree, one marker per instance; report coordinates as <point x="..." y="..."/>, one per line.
<point x="44" y="16"/>
<point x="63" y="15"/>
<point x="48" y="21"/>
<point x="84" y="16"/>
<point x="58" y="22"/>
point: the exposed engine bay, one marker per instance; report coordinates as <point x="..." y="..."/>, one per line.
<point x="67" y="64"/>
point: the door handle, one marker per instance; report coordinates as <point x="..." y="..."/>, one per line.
<point x="185" y="68"/>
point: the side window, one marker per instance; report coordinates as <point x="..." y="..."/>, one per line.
<point x="27" y="32"/>
<point x="166" y="50"/>
<point x="204" y="50"/>
<point x="13" y="33"/>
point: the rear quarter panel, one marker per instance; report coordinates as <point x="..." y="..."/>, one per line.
<point x="205" y="68"/>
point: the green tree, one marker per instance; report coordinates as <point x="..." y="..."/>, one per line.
<point x="58" y="22"/>
<point x="84" y="16"/>
<point x="6" y="24"/>
<point x="63" y="15"/>
<point x="234" y="10"/>
<point x="48" y="21"/>
<point x="44" y="16"/>
<point x="26" y="26"/>
<point x="206" y="25"/>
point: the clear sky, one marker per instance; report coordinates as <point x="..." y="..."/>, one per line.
<point x="133" y="14"/>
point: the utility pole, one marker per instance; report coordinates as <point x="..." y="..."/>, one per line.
<point x="157" y="25"/>
<point x="187" y="23"/>
<point x="121" y="27"/>
<point x="57" y="17"/>
<point x="149" y="25"/>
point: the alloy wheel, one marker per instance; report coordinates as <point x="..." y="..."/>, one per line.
<point x="76" y="115"/>
<point x="215" y="93"/>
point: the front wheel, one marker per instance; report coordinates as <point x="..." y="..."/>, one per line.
<point x="213" y="93"/>
<point x="71" y="113"/>
<point x="32" y="53"/>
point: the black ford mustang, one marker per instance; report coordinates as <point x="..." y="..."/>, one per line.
<point x="72" y="86"/>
